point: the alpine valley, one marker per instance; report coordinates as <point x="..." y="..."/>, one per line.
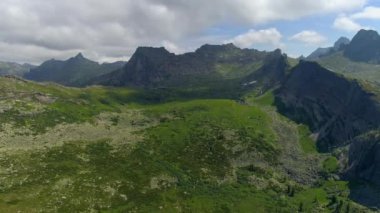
<point x="221" y="129"/>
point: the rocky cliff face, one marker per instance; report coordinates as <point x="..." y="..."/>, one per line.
<point x="336" y="109"/>
<point x="364" y="169"/>
<point x="364" y="158"/>
<point x="144" y="66"/>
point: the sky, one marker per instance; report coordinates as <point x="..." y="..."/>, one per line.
<point x="111" y="30"/>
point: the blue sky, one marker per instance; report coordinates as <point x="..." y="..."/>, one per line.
<point x="321" y="24"/>
<point x="38" y="30"/>
<point x="324" y="25"/>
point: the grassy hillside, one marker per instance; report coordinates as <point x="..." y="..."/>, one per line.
<point x="357" y="70"/>
<point x="120" y="150"/>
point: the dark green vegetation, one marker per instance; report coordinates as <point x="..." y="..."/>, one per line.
<point x="76" y="71"/>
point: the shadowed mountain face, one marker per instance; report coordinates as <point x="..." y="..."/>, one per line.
<point x="144" y="67"/>
<point x="72" y="72"/>
<point x="364" y="47"/>
<point x="336" y="109"/>
<point x="364" y="158"/>
<point x="364" y="169"/>
<point x="156" y="67"/>
<point x="272" y="73"/>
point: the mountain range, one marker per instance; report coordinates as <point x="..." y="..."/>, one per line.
<point x="11" y="68"/>
<point x="323" y="52"/>
<point x="75" y="71"/>
<point x="220" y="129"/>
<point x="157" y="67"/>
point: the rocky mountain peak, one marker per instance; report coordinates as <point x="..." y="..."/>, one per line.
<point x="79" y="56"/>
<point x="364" y="47"/>
<point x="155" y="55"/>
<point x="341" y="43"/>
<point x="213" y="49"/>
<point x="151" y="51"/>
<point x="367" y="35"/>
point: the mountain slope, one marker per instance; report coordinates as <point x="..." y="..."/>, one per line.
<point x="75" y="71"/>
<point x="336" y="109"/>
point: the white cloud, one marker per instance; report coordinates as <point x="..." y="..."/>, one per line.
<point x="267" y="36"/>
<point x="347" y="24"/>
<point x="350" y="22"/>
<point x="266" y="10"/>
<point x="111" y="59"/>
<point x="309" y="37"/>
<point x="171" y="47"/>
<point x="114" y="28"/>
<point x="368" y="13"/>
